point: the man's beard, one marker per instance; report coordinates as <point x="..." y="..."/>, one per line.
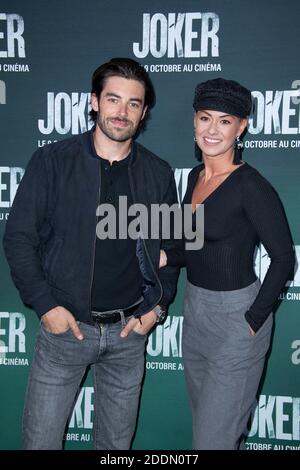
<point x="114" y="133"/>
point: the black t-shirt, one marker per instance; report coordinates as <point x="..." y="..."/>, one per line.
<point x="117" y="281"/>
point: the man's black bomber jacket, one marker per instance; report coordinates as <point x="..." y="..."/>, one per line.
<point x="51" y="230"/>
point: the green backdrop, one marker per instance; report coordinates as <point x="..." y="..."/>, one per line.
<point x="48" y="51"/>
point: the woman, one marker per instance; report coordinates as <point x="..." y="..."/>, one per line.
<point x="227" y="313"/>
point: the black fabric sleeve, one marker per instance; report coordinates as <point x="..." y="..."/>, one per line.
<point x="176" y="254"/>
<point x="21" y="239"/>
<point x="265" y="212"/>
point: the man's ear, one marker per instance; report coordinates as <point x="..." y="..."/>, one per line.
<point x="94" y="102"/>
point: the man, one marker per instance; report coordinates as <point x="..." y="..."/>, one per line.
<point x="97" y="297"/>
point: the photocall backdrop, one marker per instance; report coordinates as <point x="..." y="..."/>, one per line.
<point x="48" y="52"/>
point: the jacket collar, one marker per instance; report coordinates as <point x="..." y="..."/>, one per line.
<point x="87" y="141"/>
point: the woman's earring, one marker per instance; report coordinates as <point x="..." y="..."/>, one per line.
<point x="238" y="147"/>
<point x="239" y="143"/>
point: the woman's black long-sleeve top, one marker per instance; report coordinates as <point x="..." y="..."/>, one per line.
<point x="239" y="214"/>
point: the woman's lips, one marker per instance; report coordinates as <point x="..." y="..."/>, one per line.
<point x="210" y="141"/>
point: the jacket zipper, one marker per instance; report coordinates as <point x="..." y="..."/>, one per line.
<point x="94" y="245"/>
<point x="144" y="243"/>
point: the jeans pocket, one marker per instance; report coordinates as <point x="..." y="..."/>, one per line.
<point x="61" y="334"/>
<point x="139" y="335"/>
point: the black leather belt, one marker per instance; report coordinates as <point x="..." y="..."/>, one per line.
<point x="113" y="316"/>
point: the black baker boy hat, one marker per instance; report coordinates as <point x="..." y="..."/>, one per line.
<point x="223" y="95"/>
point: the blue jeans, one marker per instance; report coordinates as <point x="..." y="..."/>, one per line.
<point x="58" y="366"/>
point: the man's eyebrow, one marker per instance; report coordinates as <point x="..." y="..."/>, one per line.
<point x="117" y="96"/>
<point x="112" y="94"/>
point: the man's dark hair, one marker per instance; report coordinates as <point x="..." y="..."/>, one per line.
<point x="125" y="68"/>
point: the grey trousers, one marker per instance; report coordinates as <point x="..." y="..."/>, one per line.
<point x="223" y="363"/>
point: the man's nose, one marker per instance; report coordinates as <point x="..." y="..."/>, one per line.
<point x="123" y="109"/>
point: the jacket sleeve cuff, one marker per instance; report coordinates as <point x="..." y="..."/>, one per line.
<point x="168" y="277"/>
<point x="43" y="304"/>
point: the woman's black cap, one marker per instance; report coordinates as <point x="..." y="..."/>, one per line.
<point x="223" y="95"/>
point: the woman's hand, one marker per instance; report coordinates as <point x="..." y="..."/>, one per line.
<point x="251" y="331"/>
<point x="163" y="260"/>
